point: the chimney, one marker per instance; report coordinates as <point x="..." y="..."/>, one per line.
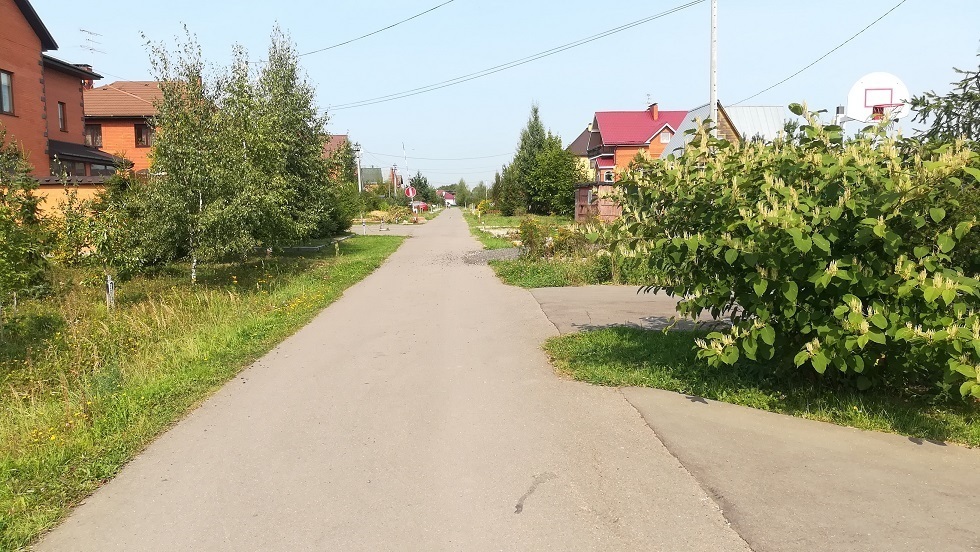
<point x="87" y="84"/>
<point x="655" y="111"/>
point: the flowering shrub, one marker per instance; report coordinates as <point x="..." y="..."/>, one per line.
<point x="836" y="254"/>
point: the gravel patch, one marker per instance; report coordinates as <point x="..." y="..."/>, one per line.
<point x="487" y="255"/>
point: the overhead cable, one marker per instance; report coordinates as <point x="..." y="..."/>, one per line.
<point x="821" y="58"/>
<point x="372" y="33"/>
<point x="512" y="64"/>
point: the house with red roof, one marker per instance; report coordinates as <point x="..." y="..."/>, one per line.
<point x="118" y="119"/>
<point x="618" y="136"/>
<point x="615" y="139"/>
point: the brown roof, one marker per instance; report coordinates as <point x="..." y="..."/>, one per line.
<point x="123" y="99"/>
<point x="47" y="41"/>
<point x="334" y="143"/>
<point x="580" y="147"/>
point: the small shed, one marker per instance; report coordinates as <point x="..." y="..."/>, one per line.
<point x="593" y="200"/>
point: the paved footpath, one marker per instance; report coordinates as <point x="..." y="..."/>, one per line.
<point x="416" y="413"/>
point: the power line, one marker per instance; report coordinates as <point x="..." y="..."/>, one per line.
<point x="821" y="58"/>
<point x="514" y="63"/>
<point x="401" y="156"/>
<point x="377" y="31"/>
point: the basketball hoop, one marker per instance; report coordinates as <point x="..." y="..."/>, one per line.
<point x="878" y="111"/>
<point x="875" y="96"/>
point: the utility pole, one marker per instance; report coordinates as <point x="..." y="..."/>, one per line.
<point x="357" y="155"/>
<point x="714" y="68"/>
<point x="405" y="155"/>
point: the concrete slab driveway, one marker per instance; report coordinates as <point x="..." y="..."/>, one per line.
<point x="416" y="413"/>
<point x="788" y="484"/>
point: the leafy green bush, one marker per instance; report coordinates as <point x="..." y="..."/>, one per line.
<point x="827" y="253"/>
<point x="485" y="206"/>
<point x="22" y="262"/>
<point x="533" y="238"/>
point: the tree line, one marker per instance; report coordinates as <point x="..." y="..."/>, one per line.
<point x="237" y="168"/>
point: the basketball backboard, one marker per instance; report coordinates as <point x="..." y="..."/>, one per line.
<point x="876" y="95"/>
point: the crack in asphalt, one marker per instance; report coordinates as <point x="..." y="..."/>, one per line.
<point x="538" y="479"/>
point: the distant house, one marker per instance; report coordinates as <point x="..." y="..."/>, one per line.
<point x="618" y="136"/>
<point x="447" y="196"/>
<point x="334" y="143"/>
<point x="615" y="139"/>
<point x="118" y="119"/>
<point x="42" y="106"/>
<point x="737" y="123"/>
<point x="580" y="149"/>
<point x="396" y="179"/>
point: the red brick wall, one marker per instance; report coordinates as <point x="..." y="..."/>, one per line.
<point x="59" y="87"/>
<point x="119" y="138"/>
<point x="20" y="54"/>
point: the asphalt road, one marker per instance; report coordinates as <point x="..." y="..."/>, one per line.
<point x="416" y="413"/>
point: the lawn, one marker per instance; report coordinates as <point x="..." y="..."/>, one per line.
<point x="490" y="241"/>
<point x="536" y="273"/>
<point x="625" y="357"/>
<point x="82" y="390"/>
<point x="566" y="272"/>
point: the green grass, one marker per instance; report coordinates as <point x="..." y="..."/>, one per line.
<point x="532" y="273"/>
<point x="644" y="358"/>
<point x="535" y="273"/>
<point x="490" y="241"/>
<point x="83" y="390"/>
<point x="515" y="221"/>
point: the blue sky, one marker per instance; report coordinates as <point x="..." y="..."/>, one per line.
<point x="760" y="43"/>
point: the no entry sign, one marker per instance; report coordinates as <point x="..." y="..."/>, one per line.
<point x="411" y="191"/>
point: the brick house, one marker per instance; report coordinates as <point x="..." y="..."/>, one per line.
<point x="615" y="139"/>
<point x="42" y="106"/>
<point x="117" y="119"/>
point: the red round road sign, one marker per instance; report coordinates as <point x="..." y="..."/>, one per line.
<point x="411" y="191"/>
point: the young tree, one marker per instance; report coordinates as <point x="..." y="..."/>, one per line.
<point x="516" y="188"/>
<point x="297" y="133"/>
<point x="22" y="261"/>
<point x="191" y="216"/>
<point x="553" y="180"/>
<point x="426" y="192"/>
<point x="954" y="115"/>
<point x="480" y="192"/>
<point x="343" y="163"/>
<point x="511" y="198"/>
<point x="463" y="195"/>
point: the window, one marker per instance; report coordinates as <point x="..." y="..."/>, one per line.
<point x="665" y="137"/>
<point x="67" y="168"/>
<point x="608" y="176"/>
<point x="93" y="136"/>
<point x="6" y="92"/>
<point x="103" y="170"/>
<point x="144" y="136"/>
<point x="62" y="123"/>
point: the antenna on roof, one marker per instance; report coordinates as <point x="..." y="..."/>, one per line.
<point x="648" y="99"/>
<point x="86" y="31"/>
